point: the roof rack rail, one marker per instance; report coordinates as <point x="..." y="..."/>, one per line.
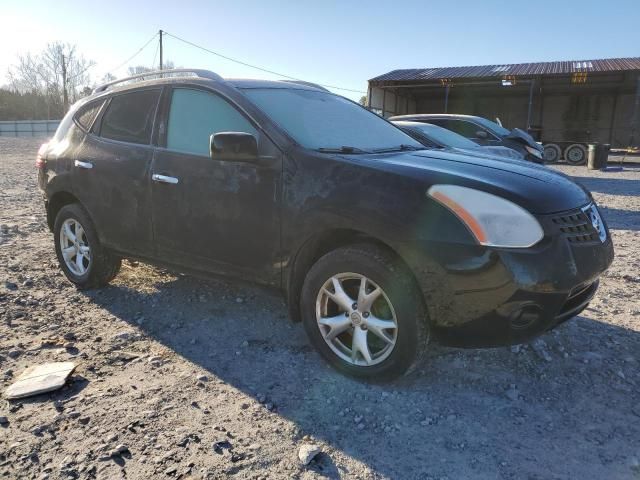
<point x="308" y="84"/>
<point x="198" y="73"/>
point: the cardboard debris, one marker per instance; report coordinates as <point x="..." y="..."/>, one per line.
<point x="40" y="379"/>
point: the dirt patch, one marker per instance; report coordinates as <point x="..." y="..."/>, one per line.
<point x="179" y="377"/>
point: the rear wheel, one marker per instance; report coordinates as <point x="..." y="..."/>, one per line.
<point x="552" y="153"/>
<point x="576" y="154"/>
<point x="84" y="261"/>
<point x="363" y="313"/>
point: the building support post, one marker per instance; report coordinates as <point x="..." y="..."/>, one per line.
<point x="530" y="109"/>
<point x="446" y="98"/>
<point x="384" y="100"/>
<point x="612" y="123"/>
<point x="634" y="118"/>
<point x="395" y="102"/>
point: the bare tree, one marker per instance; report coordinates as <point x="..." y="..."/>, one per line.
<point x="108" y="77"/>
<point x="59" y="73"/>
<point x="168" y="65"/>
<point x="138" y="69"/>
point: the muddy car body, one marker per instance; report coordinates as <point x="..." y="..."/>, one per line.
<point x="375" y="249"/>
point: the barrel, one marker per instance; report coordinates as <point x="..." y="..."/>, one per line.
<point x="602" y="155"/>
<point x="592" y="156"/>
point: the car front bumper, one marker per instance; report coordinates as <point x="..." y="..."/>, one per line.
<point x="482" y="297"/>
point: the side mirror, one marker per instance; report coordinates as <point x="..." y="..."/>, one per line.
<point x="482" y="135"/>
<point x="233" y="147"/>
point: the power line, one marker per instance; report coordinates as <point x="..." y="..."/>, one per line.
<point x="91" y="64"/>
<point x="134" y="55"/>
<point x="254" y="66"/>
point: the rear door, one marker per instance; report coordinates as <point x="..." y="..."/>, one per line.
<point x="111" y="170"/>
<point x="215" y="215"/>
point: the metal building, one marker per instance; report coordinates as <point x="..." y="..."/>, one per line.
<point x="569" y="101"/>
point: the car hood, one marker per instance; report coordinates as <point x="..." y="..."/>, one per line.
<point x="536" y="188"/>
<point x="525" y="138"/>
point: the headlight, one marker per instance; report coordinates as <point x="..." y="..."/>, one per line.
<point x="533" y="151"/>
<point x="492" y="220"/>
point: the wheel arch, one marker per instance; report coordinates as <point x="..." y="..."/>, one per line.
<point x="318" y="245"/>
<point x="55" y="204"/>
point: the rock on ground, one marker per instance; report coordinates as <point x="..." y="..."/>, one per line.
<point x="308" y="452"/>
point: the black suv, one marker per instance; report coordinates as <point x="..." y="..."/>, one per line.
<point x="377" y="243"/>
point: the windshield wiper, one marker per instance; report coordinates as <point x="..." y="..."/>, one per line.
<point x="343" y="149"/>
<point x="399" y="148"/>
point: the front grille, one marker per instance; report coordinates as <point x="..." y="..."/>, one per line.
<point x="576" y="227"/>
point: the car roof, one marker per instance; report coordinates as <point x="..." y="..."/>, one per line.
<point x="409" y="123"/>
<point x="240" y="83"/>
<point x="420" y="125"/>
<point x="290" y="84"/>
<point x="434" y="115"/>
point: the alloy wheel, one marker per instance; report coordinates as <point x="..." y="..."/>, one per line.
<point x="74" y="246"/>
<point x="356" y="319"/>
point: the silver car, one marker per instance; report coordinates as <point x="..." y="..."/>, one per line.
<point x="433" y="136"/>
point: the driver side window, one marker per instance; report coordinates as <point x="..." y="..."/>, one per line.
<point x="194" y="115"/>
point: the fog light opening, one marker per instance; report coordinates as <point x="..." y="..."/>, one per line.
<point x="524" y="316"/>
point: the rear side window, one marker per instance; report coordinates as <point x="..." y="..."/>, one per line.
<point x="87" y="114"/>
<point x="63" y="128"/>
<point x="129" y="117"/>
<point x="466" y="129"/>
<point x="195" y="115"/>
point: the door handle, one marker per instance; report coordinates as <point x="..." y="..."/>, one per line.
<point x="80" y="164"/>
<point x="164" y="179"/>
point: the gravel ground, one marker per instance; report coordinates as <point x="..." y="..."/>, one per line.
<point x="180" y="377"/>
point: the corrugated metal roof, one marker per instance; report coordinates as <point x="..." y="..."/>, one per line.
<point x="515" y="69"/>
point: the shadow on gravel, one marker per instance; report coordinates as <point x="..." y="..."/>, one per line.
<point x="620" y="219"/>
<point x="611" y="186"/>
<point x="559" y="413"/>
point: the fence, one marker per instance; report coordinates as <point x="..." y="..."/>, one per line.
<point x="28" y="128"/>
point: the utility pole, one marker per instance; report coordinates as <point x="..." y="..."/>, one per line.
<point x="160" y="49"/>
<point x="65" y="96"/>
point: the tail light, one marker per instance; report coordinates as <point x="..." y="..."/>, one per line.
<point x="41" y="161"/>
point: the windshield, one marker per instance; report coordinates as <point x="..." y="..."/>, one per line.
<point x="443" y="136"/>
<point x="322" y="120"/>
<point x="493" y="126"/>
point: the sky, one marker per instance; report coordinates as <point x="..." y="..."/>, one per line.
<point x="341" y="43"/>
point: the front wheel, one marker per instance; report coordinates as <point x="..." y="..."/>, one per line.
<point x="84" y="261"/>
<point x="363" y="313"/>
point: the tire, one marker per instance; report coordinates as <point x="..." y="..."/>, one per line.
<point x="575" y="154"/>
<point x="97" y="266"/>
<point x="552" y="153"/>
<point x="398" y="301"/>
